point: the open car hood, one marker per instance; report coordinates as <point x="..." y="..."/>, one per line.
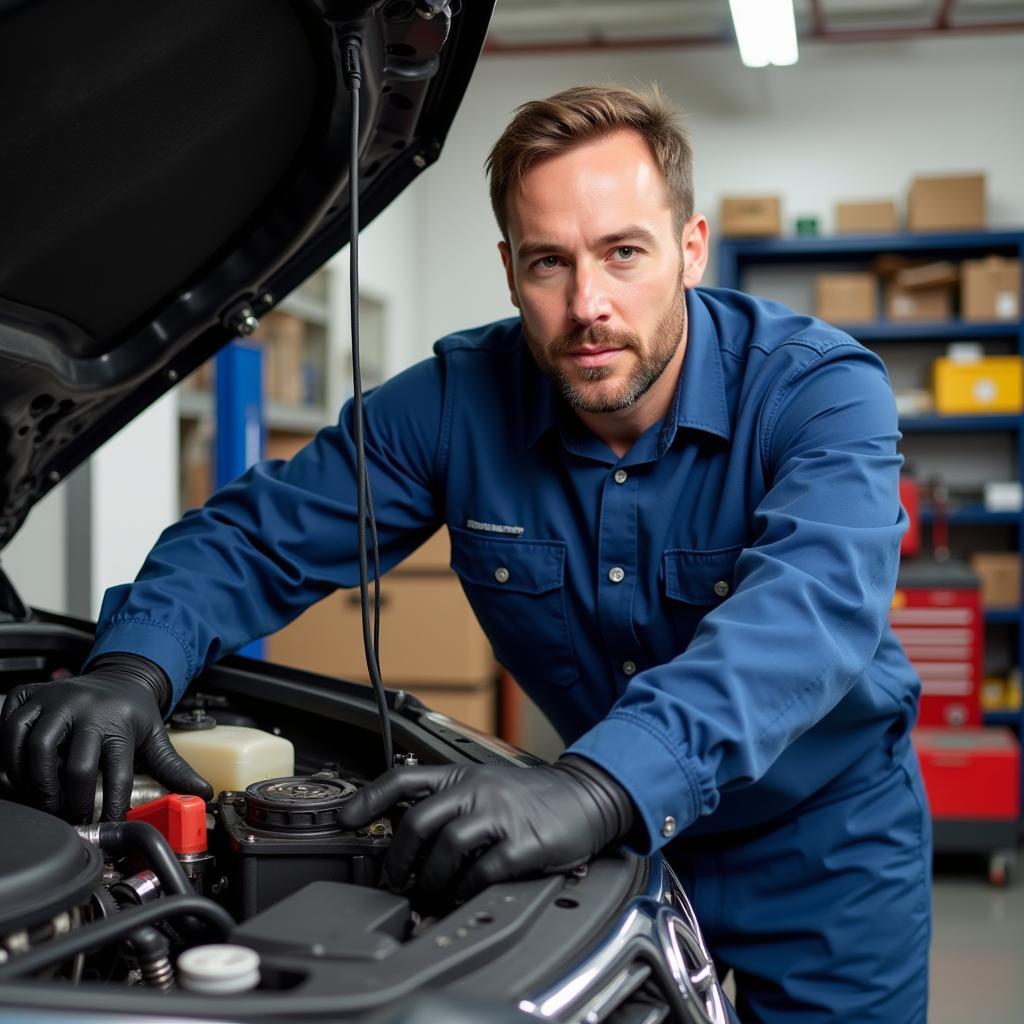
<point x="173" y="168"/>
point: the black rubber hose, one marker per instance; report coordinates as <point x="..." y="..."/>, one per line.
<point x="152" y="951"/>
<point x="128" y="921"/>
<point x="118" y="836"/>
<point x="148" y="943"/>
<point x="150" y="947"/>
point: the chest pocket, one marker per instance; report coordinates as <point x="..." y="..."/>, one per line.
<point x="695" y="583"/>
<point x="517" y="590"/>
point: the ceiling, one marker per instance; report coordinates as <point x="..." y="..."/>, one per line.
<point x="523" y="26"/>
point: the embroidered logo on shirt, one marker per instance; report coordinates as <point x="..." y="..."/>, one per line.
<point x="473" y="524"/>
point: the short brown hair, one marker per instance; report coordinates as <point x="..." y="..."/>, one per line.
<point x="543" y="128"/>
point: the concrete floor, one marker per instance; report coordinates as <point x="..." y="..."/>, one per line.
<point x="977" y="965"/>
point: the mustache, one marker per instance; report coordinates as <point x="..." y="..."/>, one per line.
<point x="596" y="336"/>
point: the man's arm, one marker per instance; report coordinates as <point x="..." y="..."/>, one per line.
<point x="256" y="555"/>
<point x="804" y="619"/>
<point x="283" y="536"/>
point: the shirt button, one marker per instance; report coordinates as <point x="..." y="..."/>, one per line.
<point x="668" y="826"/>
<point x="616" y="574"/>
<point x="621" y="476"/>
<point x="721" y="588"/>
<point x="501" y="574"/>
<point x="629" y="667"/>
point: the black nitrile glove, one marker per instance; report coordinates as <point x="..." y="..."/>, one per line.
<point x="56" y="738"/>
<point x="474" y="825"/>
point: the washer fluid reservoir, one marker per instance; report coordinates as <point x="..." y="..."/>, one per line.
<point x="230" y="757"/>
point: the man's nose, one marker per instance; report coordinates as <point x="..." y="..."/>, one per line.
<point x="588" y="302"/>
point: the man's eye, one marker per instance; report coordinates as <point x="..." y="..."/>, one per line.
<point x="625" y="253"/>
<point x="548" y="262"/>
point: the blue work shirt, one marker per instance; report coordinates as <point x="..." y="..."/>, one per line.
<point x="705" y="617"/>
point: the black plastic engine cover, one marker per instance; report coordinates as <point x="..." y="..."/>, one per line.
<point x="45" y="867"/>
<point x="330" y="921"/>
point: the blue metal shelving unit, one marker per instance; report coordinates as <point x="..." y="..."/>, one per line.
<point x="1005" y="616"/>
<point x="959" y="424"/>
<point x="972" y="515"/>
<point x="239" y="415"/>
<point x="737" y="255"/>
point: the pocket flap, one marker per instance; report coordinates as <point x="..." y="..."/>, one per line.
<point x="525" y="566"/>
<point x="700" y="577"/>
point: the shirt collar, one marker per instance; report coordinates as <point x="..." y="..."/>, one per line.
<point x="698" y="404"/>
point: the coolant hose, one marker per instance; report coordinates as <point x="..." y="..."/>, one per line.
<point x="150" y="947"/>
<point x="152" y="950"/>
<point x="128" y="921"/>
<point x="117" y="837"/>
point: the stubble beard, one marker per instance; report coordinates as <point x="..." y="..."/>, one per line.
<point x="664" y="343"/>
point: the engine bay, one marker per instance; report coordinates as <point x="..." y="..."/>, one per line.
<point x="185" y="897"/>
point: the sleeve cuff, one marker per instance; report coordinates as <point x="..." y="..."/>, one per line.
<point x="150" y="640"/>
<point x="661" y="781"/>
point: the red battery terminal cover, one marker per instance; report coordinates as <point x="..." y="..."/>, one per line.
<point x="180" y="818"/>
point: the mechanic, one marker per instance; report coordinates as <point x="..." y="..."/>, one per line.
<point x="675" y="512"/>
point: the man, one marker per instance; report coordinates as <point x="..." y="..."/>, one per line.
<point x="676" y="515"/>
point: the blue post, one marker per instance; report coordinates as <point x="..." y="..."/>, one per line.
<point x="239" y="412"/>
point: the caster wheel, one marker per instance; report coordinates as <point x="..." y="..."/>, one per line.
<point x="1001" y="867"/>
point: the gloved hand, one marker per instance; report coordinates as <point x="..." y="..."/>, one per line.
<point x="475" y="825"/>
<point x="56" y="737"/>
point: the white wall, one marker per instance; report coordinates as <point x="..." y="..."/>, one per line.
<point x="34" y="560"/>
<point x="848" y="121"/>
<point x="134" y="495"/>
<point x="100" y="523"/>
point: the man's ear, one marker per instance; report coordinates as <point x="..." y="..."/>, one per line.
<point x="695" y="250"/>
<point x="506" y="260"/>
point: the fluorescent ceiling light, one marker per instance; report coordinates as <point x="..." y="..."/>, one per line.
<point x="766" y="31"/>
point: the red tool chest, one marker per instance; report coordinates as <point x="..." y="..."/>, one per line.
<point x="971" y="774"/>
<point x="972" y="777"/>
<point x="937" y="616"/>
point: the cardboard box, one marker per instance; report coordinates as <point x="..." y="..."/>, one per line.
<point x="877" y="217"/>
<point x="999" y="572"/>
<point x="751" y="216"/>
<point x="928" y="275"/>
<point x="992" y="384"/>
<point x="952" y="203"/>
<point x="282" y="335"/>
<point x="929" y="305"/>
<point x="429" y="635"/>
<point x="990" y="289"/>
<point x="284" y="444"/>
<point x="435" y="555"/>
<point x="888" y="264"/>
<point x="846" y="298"/>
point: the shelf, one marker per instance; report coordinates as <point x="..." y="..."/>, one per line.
<point x="934" y="424"/>
<point x="302" y="306"/>
<point x="941" y="331"/>
<point x="1010" y="718"/>
<point x="973" y="515"/>
<point x="292" y="419"/>
<point x="847" y="247"/>
<point x="1006" y="616"/>
<point x="295" y="419"/>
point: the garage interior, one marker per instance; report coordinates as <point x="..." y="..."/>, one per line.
<point x="875" y="182"/>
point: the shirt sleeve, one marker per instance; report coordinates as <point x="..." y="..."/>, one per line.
<point x="284" y="535"/>
<point x="811" y="596"/>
